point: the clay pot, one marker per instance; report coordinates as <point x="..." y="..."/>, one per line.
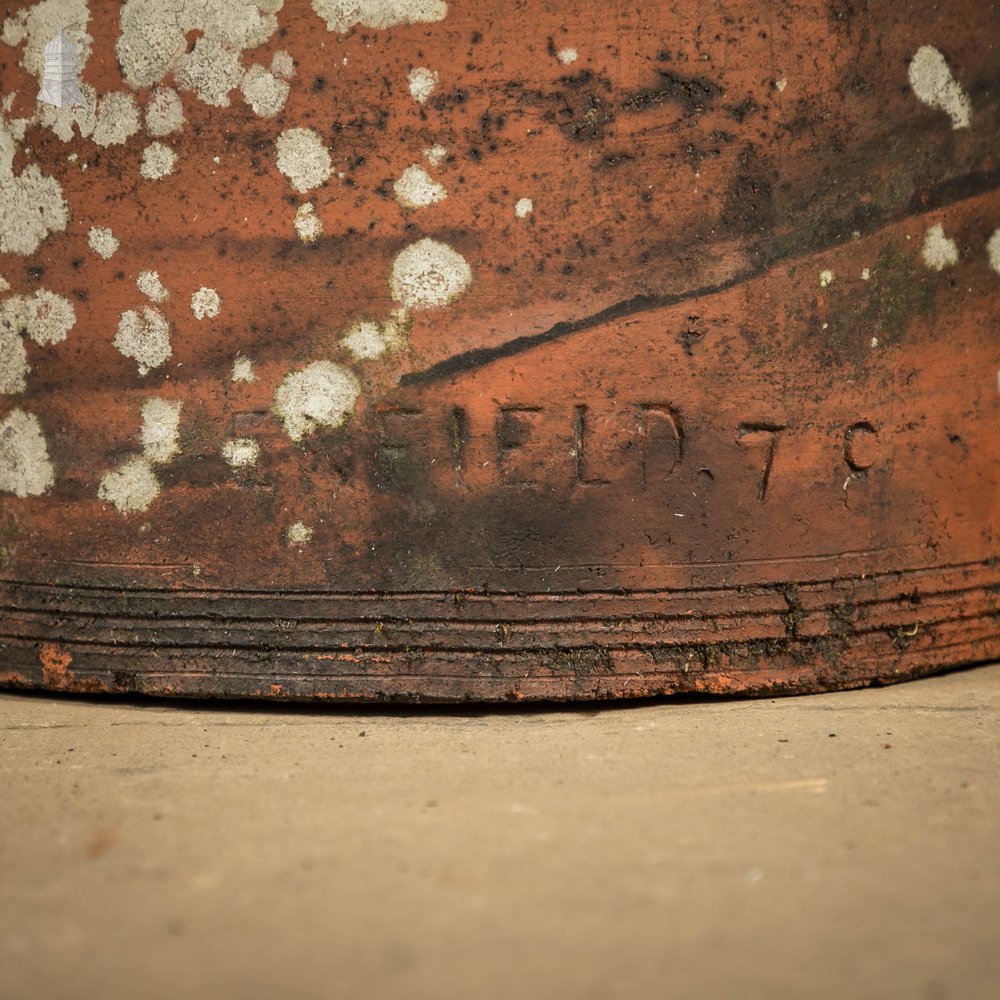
<point x="460" y="350"/>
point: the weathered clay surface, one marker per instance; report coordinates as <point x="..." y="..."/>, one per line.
<point x="462" y="351"/>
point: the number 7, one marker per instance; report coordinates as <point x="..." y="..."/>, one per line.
<point x="754" y="432"/>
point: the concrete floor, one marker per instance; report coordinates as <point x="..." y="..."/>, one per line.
<point x="835" y="846"/>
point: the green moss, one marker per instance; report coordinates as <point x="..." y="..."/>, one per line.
<point x="897" y="295"/>
<point x="8" y="541"/>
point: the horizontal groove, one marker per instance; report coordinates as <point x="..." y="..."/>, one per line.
<point x="413" y="648"/>
<point x="808" y="602"/>
<point x="779" y="608"/>
<point x="465" y="598"/>
<point x="606" y="593"/>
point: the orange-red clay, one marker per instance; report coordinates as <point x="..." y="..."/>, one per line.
<point x="416" y="349"/>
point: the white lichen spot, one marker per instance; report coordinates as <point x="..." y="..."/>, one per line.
<point x="866" y="274"/>
<point x="422" y="82"/>
<point x="158" y="161"/>
<point x="31" y="207"/>
<point x="938" y="251"/>
<point x="13" y="33"/>
<point x="342" y="15"/>
<point x="993" y="250"/>
<point x="241" y="453"/>
<point x="567" y="56"/>
<point x="150" y="285"/>
<point x="130" y="488"/>
<point x="25" y="468"/>
<point x="264" y="92"/>
<point x="242" y="371"/>
<point x="39" y="23"/>
<point x="153" y="41"/>
<point x="103" y="242"/>
<point x="144" y="336"/>
<point x="429" y="274"/>
<point x="4" y="284"/>
<point x="303" y="158"/>
<point x="826" y="278"/>
<point x="165" y="112"/>
<point x="283" y="65"/>
<point x="13" y="359"/>
<point x="322" y="394"/>
<point x="874" y="342"/>
<point x="933" y="83"/>
<point x="364" y="340"/>
<point x="211" y="70"/>
<point x="779" y="85"/>
<point x="308" y="225"/>
<point x="161" y="420"/>
<point x="45" y="316"/>
<point x="415" y="188"/>
<point x="299" y="534"/>
<point x="368" y="341"/>
<point x="117" y="119"/>
<point x="81" y="115"/>
<point x="11" y="135"/>
<point x="205" y="303"/>
<point x="524" y="208"/>
<point x="435" y="155"/>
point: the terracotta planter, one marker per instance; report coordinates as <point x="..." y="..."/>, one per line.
<point x="456" y="350"/>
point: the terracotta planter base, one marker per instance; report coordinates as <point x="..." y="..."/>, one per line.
<point x="459" y="351"/>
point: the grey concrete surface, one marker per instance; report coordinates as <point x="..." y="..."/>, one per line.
<point x="836" y="846"/>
